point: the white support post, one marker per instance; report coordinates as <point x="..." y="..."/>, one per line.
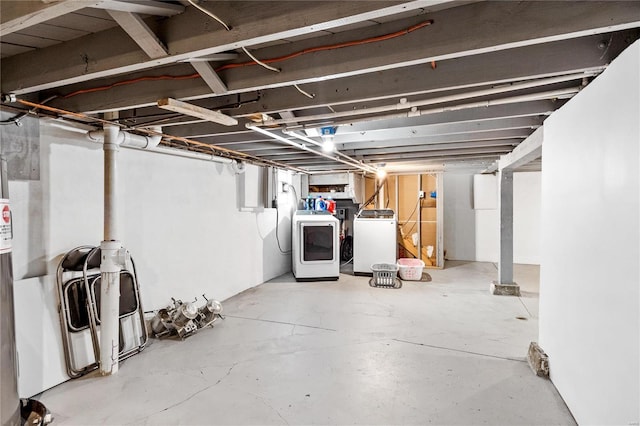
<point x="505" y="285"/>
<point x="110" y="265"/>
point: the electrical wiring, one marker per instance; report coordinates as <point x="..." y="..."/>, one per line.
<point x="419" y="203"/>
<point x="277" y="236"/>
<point x="295" y="196"/>
<point x="131" y="81"/>
<point x="208" y="13"/>
<point x="307" y="94"/>
<point x="259" y="62"/>
<point x="262" y="62"/>
<point x="18" y="118"/>
<point x="335" y="46"/>
<point x="375" y="194"/>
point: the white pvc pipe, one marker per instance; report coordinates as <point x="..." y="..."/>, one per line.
<point x="449" y="98"/>
<point x="192" y="154"/>
<point x="127" y="139"/>
<point x="306" y="148"/>
<point x="551" y="94"/>
<point x="150" y="143"/>
<point x="109" y="265"/>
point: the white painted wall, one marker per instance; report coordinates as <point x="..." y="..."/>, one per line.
<point x="459" y="217"/>
<point x="590" y="278"/>
<point x="475" y="234"/>
<point x="526" y="217"/>
<point x="179" y="218"/>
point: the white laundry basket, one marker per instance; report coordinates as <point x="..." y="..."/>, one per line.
<point x="410" y="269"/>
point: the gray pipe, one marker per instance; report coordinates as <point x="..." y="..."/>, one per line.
<point x="9" y="401"/>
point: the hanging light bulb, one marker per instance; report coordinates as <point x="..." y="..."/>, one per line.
<point x="327" y="133"/>
<point x="327" y="144"/>
<point x="381" y="173"/>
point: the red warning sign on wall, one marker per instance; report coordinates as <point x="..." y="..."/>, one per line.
<point x="6" y="231"/>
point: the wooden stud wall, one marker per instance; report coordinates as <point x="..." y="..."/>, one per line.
<point x="405" y="202"/>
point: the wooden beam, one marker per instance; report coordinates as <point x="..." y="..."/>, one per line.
<point x="16" y="15"/>
<point x="139" y="32"/>
<point x="494" y="68"/>
<point x="465" y="137"/>
<point x="187" y="35"/>
<point x="147" y="7"/>
<point x="196" y="111"/>
<point x="530" y="149"/>
<point x="210" y="77"/>
<point x="524" y="109"/>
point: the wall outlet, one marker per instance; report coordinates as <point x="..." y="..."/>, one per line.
<point x="285" y="186"/>
<point x="421" y="194"/>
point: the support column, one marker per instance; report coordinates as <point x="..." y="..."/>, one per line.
<point x="505" y="284"/>
<point x="110" y="264"/>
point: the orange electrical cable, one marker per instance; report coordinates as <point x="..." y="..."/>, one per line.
<point x="331" y="46"/>
<point x="266" y="61"/>
<point x="131" y="81"/>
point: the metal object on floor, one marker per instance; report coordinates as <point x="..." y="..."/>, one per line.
<point x="34" y="413"/>
<point x="185" y="319"/>
<point x="79" y="282"/>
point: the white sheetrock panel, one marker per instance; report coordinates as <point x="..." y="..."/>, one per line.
<point x="460" y="223"/>
<point x="590" y="274"/>
<point x="28" y="231"/>
<point x="526" y="217"/>
<point x="485" y="192"/>
<point x="487" y="235"/>
<point x="38" y="336"/>
<point x="526" y="223"/>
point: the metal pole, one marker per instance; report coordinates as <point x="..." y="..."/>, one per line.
<point x="111" y="260"/>
<point x="9" y="401"/>
<point x="505" y="267"/>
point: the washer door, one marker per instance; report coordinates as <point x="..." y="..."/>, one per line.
<point x="318" y="243"/>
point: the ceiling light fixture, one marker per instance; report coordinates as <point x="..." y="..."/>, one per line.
<point x="196" y="111"/>
<point x="327" y="134"/>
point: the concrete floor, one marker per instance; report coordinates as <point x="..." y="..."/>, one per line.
<point x="439" y="352"/>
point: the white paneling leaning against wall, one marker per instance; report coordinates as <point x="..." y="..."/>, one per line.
<point x="526" y="216"/>
<point x="460" y="223"/>
<point x="590" y="245"/>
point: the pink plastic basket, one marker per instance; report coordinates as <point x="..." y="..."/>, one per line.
<point x="410" y="269"/>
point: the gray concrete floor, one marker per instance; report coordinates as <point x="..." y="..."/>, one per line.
<point x="439" y="352"/>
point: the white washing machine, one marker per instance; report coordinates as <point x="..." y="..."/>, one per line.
<point x="374" y="239"/>
<point x="315" y="246"/>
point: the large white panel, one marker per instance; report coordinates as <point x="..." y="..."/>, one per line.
<point x="526" y="223"/>
<point x="487" y="235"/>
<point x="526" y="217"/>
<point x="459" y="228"/>
<point x="38" y="337"/>
<point x="485" y="192"/>
<point x="590" y="277"/>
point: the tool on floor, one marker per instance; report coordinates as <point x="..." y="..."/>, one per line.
<point x="184" y="318"/>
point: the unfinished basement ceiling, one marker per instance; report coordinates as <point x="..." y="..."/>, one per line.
<point x="413" y="85"/>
